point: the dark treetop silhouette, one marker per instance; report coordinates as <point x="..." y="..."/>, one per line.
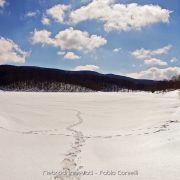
<point x="27" y="78"/>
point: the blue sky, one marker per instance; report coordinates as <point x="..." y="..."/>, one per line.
<point x="138" y="40"/>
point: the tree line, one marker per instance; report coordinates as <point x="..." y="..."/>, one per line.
<point x="14" y="78"/>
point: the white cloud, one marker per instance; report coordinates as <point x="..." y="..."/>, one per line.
<point x="43" y="37"/>
<point x="45" y="21"/>
<point x="147" y="53"/>
<point x="31" y="13"/>
<point x="80" y="40"/>
<point x="61" y="53"/>
<point x="141" y="53"/>
<point x="71" y="56"/>
<point x="117" y="16"/>
<point x="174" y="59"/>
<point x="116" y="50"/>
<point x="86" y="68"/>
<point x="11" y="52"/>
<point x="155" y="61"/>
<point x="148" y="56"/>
<point x="69" y="39"/>
<point x="163" y="50"/>
<point x="57" y="12"/>
<point x="156" y="73"/>
<point x="2" y="3"/>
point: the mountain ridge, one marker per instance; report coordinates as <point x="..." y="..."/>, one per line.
<point x="12" y="76"/>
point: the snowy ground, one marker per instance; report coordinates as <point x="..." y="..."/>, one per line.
<point x="95" y="133"/>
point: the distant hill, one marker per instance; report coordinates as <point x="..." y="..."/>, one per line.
<point x="27" y="78"/>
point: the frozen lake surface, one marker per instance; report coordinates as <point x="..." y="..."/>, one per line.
<point x="131" y="136"/>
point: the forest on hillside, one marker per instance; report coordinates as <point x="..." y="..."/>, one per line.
<point x="14" y="78"/>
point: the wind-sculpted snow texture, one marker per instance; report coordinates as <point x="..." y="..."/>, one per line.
<point x="45" y="134"/>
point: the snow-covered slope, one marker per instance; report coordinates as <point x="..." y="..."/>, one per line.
<point x="41" y="133"/>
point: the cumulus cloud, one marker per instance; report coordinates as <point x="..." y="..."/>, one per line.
<point x="86" y="68"/>
<point x="57" y="12"/>
<point x="71" y="56"/>
<point x="45" y="21"/>
<point x="10" y="52"/>
<point x="123" y="17"/>
<point x="155" y="73"/>
<point x="43" y="37"/>
<point x="147" y="53"/>
<point x="2" y="3"/>
<point x="69" y="39"/>
<point x="116" y="50"/>
<point x="80" y="40"/>
<point x="155" y="61"/>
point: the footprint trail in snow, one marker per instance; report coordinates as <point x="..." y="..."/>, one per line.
<point x="70" y="163"/>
